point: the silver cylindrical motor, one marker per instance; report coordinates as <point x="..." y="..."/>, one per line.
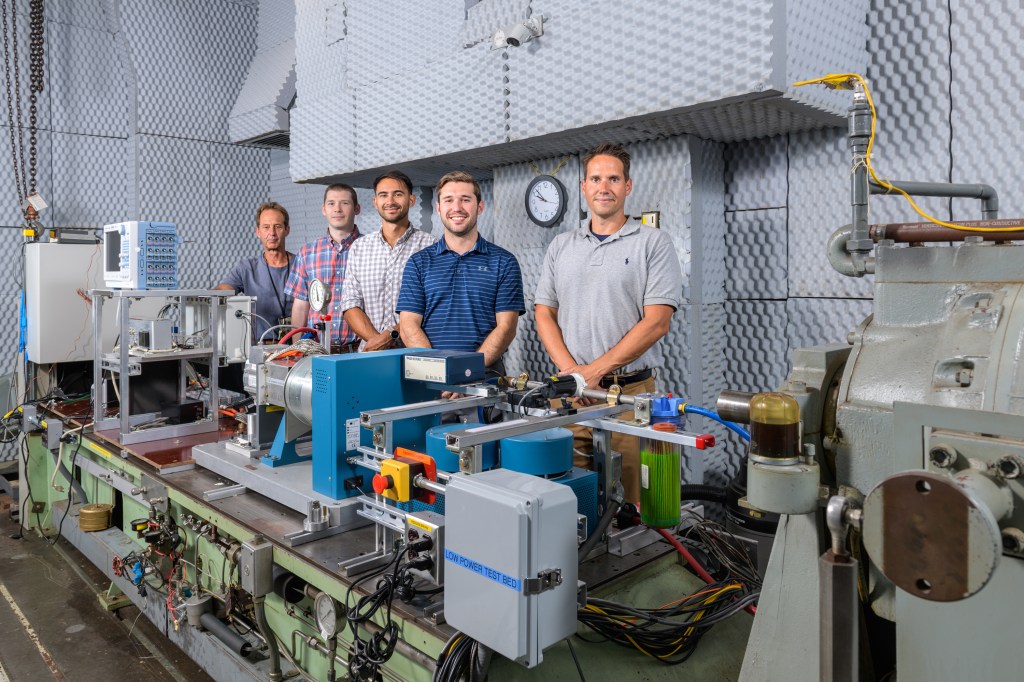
<point x="298" y="391"/>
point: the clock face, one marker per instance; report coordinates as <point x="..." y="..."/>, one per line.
<point x="545" y="201"/>
<point x="319" y="295"/>
<point x="326" y="615"/>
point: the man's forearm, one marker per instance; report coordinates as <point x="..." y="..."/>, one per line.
<point x="412" y="333"/>
<point x="644" y="334"/>
<point x="300" y="313"/>
<point x="359" y="322"/>
<point x="497" y="342"/>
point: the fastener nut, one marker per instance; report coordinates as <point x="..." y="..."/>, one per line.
<point x="942" y="456"/>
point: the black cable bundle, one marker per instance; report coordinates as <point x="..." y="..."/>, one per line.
<point x="671" y="632"/>
<point x="456" y="659"/>
<point x="368" y="655"/>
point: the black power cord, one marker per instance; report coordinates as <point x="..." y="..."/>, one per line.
<point x="71" y="489"/>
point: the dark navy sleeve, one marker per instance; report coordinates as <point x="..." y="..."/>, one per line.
<point x="510" y="287"/>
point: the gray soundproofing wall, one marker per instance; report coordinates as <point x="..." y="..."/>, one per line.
<point x="144" y="109"/>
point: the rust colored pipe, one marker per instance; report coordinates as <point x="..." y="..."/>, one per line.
<point x="907" y="233"/>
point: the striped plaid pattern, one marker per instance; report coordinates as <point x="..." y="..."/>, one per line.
<point x="374" y="275"/>
<point x="325" y="260"/>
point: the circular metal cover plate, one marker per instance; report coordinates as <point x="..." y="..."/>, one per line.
<point x="930" y="537"/>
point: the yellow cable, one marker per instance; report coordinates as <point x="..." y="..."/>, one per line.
<point x="844" y="81"/>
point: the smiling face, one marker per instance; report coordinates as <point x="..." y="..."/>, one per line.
<point x="340" y="209"/>
<point x="459" y="208"/>
<point x="393" y="200"/>
<point x="272" y="229"/>
<point x="605" y="187"/>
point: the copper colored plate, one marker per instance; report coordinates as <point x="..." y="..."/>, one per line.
<point x="934" y="538"/>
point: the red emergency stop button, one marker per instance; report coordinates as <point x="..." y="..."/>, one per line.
<point x="382" y="483"/>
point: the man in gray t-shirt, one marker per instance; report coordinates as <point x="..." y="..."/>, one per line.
<point x="264" y="276"/>
<point x="606" y="296"/>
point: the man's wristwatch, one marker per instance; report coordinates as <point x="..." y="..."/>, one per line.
<point x="395" y="335"/>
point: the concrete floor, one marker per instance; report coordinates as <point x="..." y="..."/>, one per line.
<point x="53" y="626"/>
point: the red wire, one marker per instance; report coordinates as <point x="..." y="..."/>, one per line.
<point x="298" y="330"/>
<point x="705" y="576"/>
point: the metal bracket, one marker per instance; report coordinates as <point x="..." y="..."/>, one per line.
<point x="642" y="410"/>
<point x="382" y="514"/>
<point x="547" y="579"/>
<point x="153" y="492"/>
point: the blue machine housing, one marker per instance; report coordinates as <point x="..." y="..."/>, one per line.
<point x="344" y="386"/>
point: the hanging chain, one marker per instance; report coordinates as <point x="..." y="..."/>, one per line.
<point x="36" y="65"/>
<point x="14" y="122"/>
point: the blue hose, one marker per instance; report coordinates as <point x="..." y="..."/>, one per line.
<point x="711" y="414"/>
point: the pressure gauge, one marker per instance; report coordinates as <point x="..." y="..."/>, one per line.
<point x="545" y="201"/>
<point x="326" y="610"/>
<point x="319" y="295"/>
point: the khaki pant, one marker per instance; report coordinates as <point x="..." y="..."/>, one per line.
<point x="629" y="446"/>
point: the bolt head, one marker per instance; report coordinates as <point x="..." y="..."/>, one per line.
<point x="942" y="456"/>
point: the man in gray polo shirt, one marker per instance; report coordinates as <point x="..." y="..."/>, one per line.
<point x="606" y="296"/>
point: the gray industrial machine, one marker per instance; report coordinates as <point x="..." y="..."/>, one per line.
<point x="917" y="428"/>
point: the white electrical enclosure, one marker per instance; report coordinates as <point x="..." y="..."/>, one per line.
<point x="58" y="310"/>
<point x="510" y="562"/>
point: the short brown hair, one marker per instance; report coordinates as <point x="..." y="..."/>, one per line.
<point x="608" y="149"/>
<point x="342" y="186"/>
<point x="393" y="175"/>
<point x="271" y="206"/>
<point x="458" y="176"/>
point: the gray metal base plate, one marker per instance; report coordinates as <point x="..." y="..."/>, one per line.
<point x="289" y="485"/>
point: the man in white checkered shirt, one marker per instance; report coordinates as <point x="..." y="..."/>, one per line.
<point x="376" y="261"/>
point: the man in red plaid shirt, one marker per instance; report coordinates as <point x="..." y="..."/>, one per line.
<point x="325" y="259"/>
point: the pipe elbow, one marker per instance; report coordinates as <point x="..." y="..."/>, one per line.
<point x="842" y="261"/>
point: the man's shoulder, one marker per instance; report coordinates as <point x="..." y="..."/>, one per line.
<point x="564" y="241"/>
<point x="421" y="238"/>
<point x="308" y="248"/>
<point x="249" y="262"/>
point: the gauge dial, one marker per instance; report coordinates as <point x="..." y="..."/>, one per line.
<point x="326" y="610"/>
<point x="319" y="295"/>
<point x="545" y="201"/>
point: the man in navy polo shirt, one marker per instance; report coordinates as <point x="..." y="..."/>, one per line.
<point x="463" y="293"/>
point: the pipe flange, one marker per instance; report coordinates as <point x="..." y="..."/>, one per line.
<point x="930" y="536"/>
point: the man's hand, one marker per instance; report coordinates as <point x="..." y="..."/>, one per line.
<point x="381" y="341"/>
<point x="592" y="375"/>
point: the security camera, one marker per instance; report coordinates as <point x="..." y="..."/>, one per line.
<point x="517" y="34"/>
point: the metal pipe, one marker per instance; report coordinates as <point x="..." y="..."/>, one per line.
<point x="911" y="233"/>
<point x="420" y="481"/>
<point x="842" y="259"/>
<point x="987" y="193"/>
<point x="234" y="641"/>
<point x="859" y="136"/>
<point x="268" y="636"/>
<point x="734" y="406"/>
<point x="839" y="619"/>
<point x="67" y="474"/>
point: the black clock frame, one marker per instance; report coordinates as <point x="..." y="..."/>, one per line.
<point x="563" y="200"/>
